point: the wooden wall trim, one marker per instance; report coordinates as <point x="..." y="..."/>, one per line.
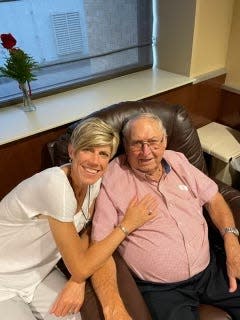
<point x="229" y="114"/>
<point x="202" y="100"/>
<point x="22" y="158"/>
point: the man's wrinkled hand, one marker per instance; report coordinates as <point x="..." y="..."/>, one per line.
<point x="233" y="271"/>
<point x="69" y="300"/>
<point x="233" y="266"/>
<point x="116" y="312"/>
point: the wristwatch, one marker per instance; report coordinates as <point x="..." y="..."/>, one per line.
<point x="230" y="230"/>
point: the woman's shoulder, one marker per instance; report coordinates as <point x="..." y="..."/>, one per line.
<point x="51" y="171"/>
<point x="44" y="182"/>
<point x="53" y="174"/>
<point x="43" y="193"/>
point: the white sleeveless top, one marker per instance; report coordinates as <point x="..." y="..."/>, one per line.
<point x="28" y="251"/>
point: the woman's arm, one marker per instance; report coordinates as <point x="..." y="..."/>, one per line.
<point x="71" y="298"/>
<point x="82" y="262"/>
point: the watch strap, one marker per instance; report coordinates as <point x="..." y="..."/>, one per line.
<point x="233" y="230"/>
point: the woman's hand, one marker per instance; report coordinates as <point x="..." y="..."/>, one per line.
<point x="139" y="212"/>
<point x="69" y="300"/>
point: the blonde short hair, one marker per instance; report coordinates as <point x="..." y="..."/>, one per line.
<point x="94" y="132"/>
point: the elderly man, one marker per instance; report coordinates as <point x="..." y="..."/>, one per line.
<point x="170" y="255"/>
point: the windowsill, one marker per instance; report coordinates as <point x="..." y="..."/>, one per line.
<point x="66" y="107"/>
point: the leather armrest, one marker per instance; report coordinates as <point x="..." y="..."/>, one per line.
<point x="210" y="312"/>
<point x="232" y="196"/>
<point x="129" y="291"/>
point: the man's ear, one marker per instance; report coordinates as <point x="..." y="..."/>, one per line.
<point x="125" y="145"/>
<point x="70" y="151"/>
<point x="165" y="141"/>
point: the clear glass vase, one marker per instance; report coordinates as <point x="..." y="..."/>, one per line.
<point x="28" y="104"/>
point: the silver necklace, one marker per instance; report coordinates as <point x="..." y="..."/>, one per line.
<point x="86" y="215"/>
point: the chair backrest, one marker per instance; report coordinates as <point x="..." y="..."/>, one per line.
<point x="182" y="136"/>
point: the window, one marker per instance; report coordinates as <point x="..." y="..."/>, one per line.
<point x="77" y="42"/>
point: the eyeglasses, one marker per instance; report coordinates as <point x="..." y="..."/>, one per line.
<point x="153" y="144"/>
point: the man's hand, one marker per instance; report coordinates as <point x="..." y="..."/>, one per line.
<point x="232" y="248"/>
<point x="105" y="285"/>
<point x="69" y="300"/>
<point x="233" y="271"/>
<point x="116" y="311"/>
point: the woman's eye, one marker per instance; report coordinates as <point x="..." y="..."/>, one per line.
<point x="104" y="155"/>
<point x="88" y="150"/>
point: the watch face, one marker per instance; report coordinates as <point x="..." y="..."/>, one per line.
<point x="236" y="232"/>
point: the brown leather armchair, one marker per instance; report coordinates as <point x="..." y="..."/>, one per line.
<point x="182" y="137"/>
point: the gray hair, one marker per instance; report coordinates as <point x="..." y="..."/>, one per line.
<point x="94" y="132"/>
<point x="145" y="115"/>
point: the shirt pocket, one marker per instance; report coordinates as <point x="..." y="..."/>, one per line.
<point x="179" y="191"/>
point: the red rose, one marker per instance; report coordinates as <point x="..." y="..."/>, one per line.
<point x="8" y="41"/>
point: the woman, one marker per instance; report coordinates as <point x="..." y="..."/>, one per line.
<point x="39" y="223"/>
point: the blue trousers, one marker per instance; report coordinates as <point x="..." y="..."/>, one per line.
<point x="180" y="300"/>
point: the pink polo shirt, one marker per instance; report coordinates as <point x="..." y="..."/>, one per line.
<point x="174" y="245"/>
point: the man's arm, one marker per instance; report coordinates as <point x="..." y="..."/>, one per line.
<point x="222" y="217"/>
<point x="104" y="282"/>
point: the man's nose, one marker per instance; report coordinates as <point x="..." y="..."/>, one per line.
<point x="146" y="148"/>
